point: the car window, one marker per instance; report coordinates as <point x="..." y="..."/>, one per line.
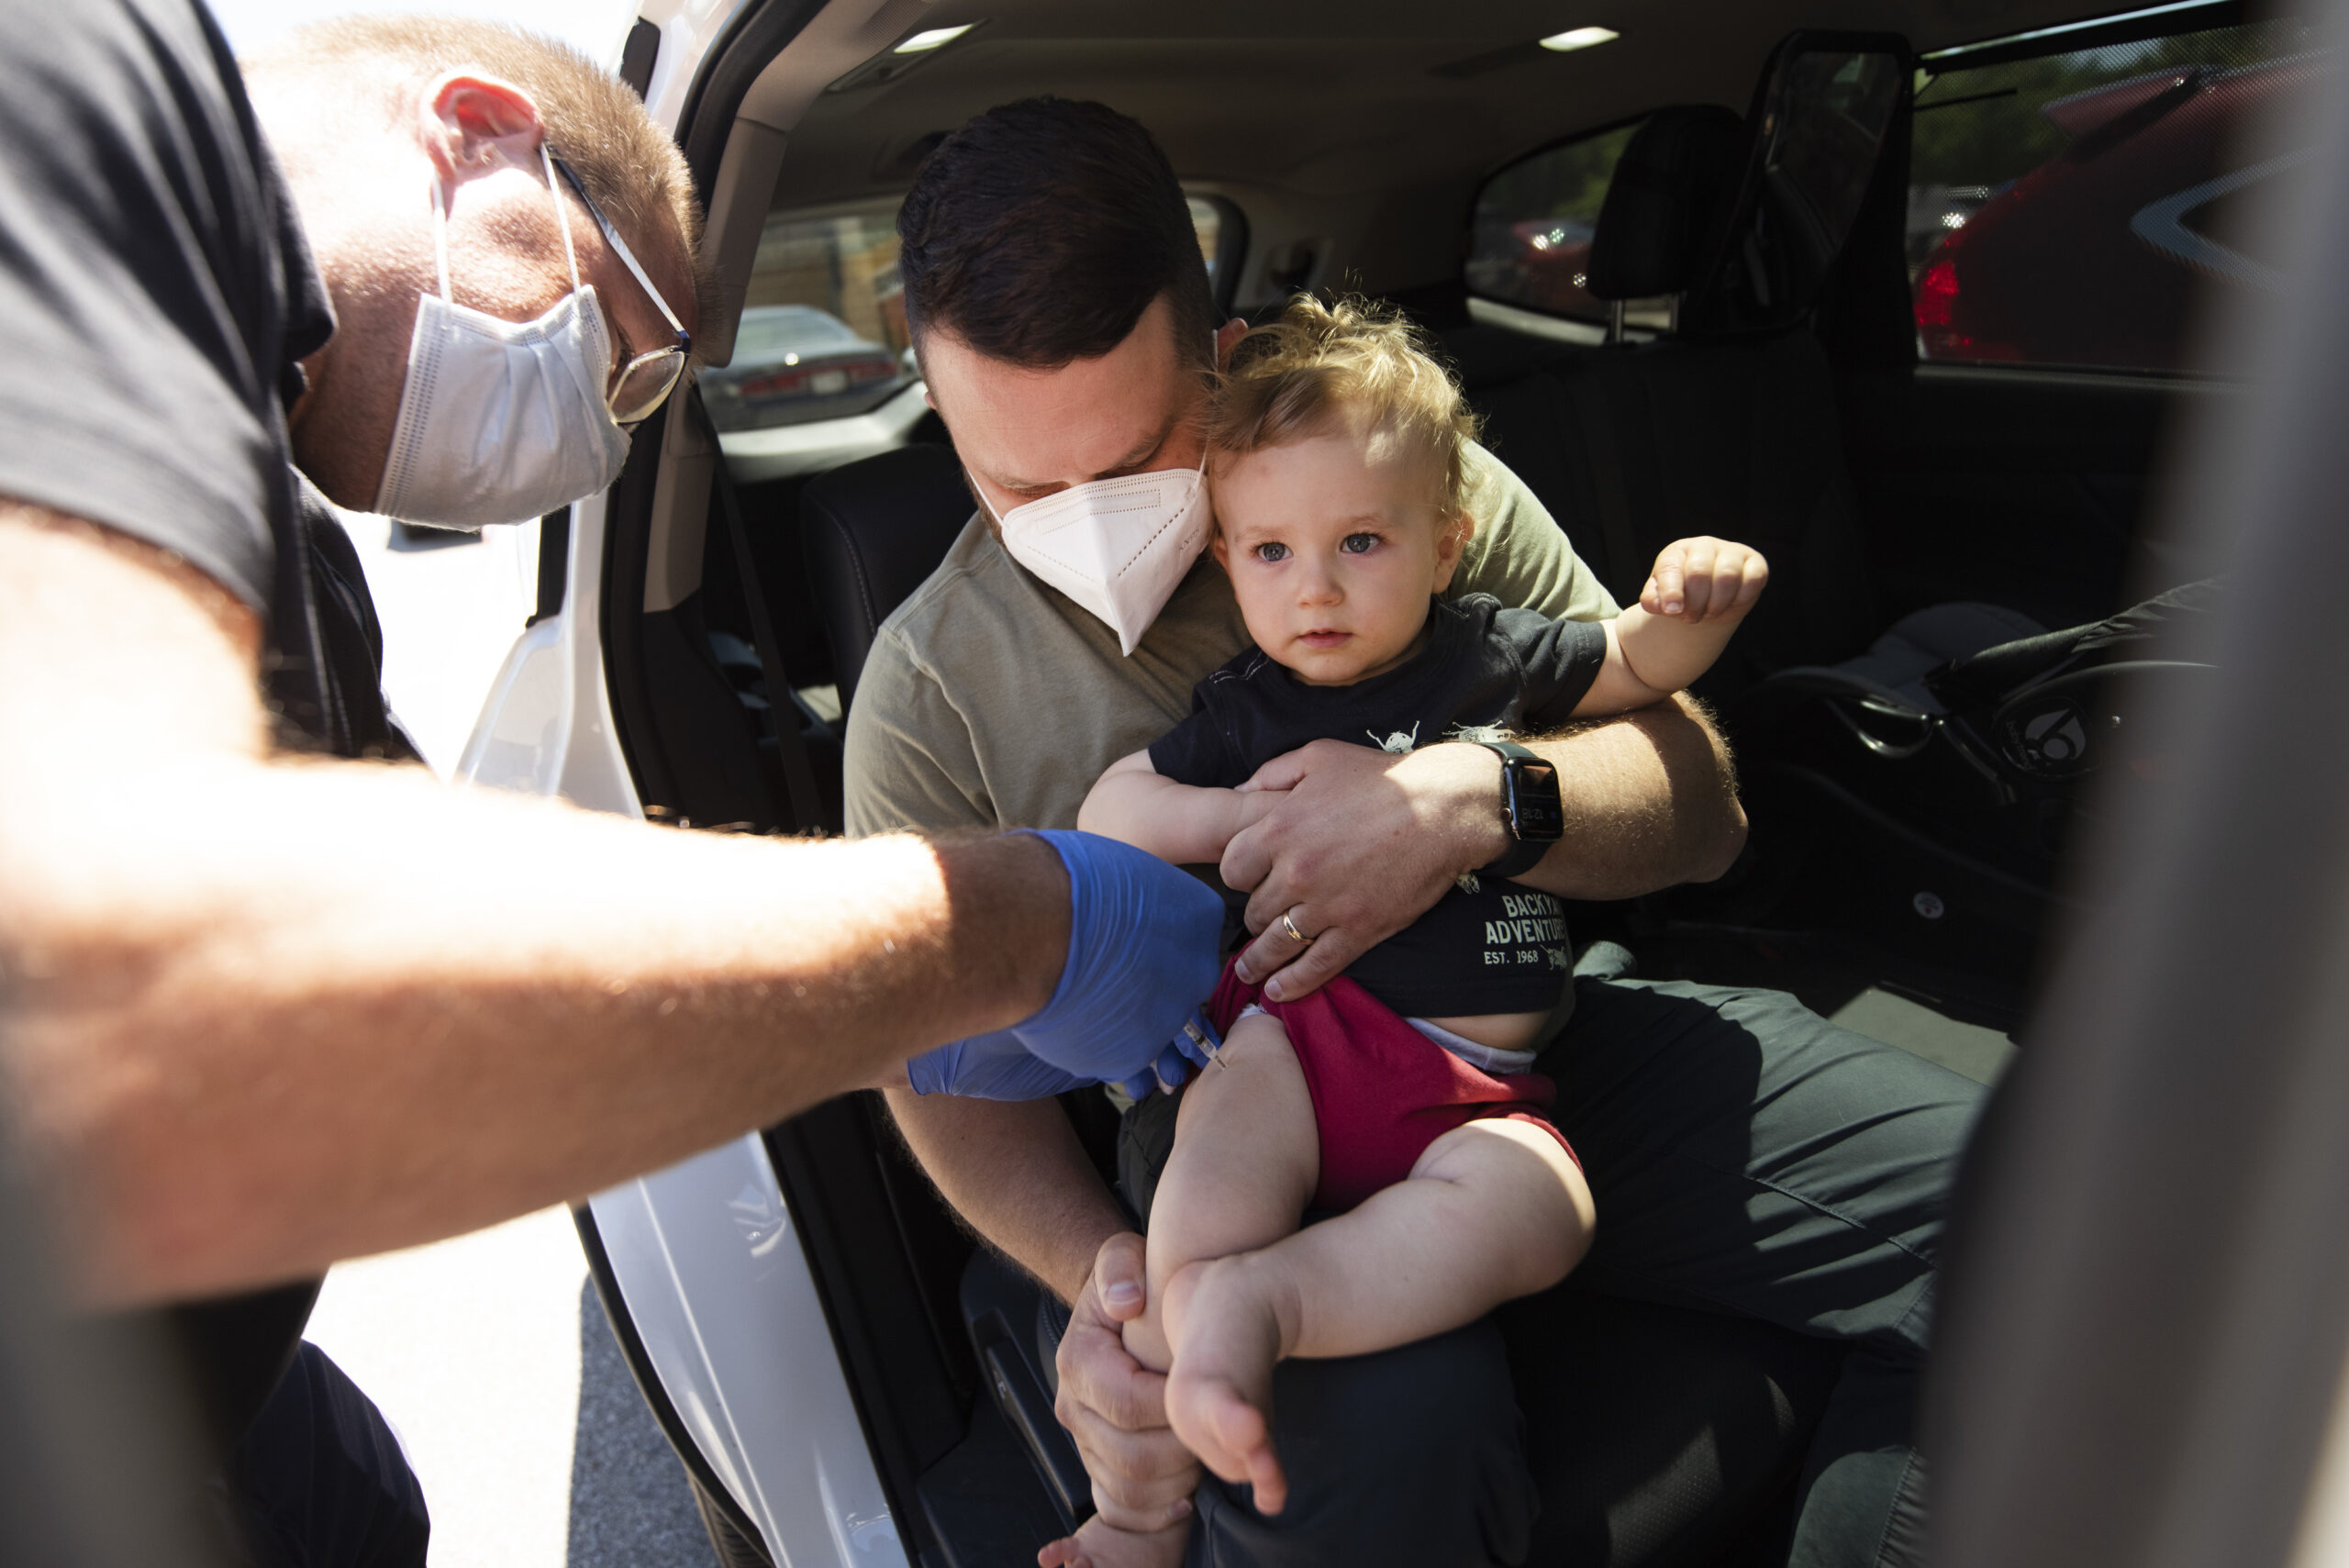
<point x="1218" y="223"/>
<point x="769" y="329"/>
<point x="823" y="332"/>
<point x="1529" y="237"/>
<point x="2065" y="209"/>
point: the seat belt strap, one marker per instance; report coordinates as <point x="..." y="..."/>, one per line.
<point x="783" y="708"/>
<point x="1603" y="456"/>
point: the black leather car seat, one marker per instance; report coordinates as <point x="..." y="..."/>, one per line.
<point x="1635" y="445"/>
<point x="1710" y="430"/>
<point x="872" y="531"/>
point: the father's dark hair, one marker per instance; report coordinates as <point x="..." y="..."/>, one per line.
<point x="1040" y="231"/>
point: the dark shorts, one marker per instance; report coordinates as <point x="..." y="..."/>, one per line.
<point x="1382" y="1091"/>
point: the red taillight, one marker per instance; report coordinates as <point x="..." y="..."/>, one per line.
<point x="1942" y="332"/>
<point x="1937" y="295"/>
<point x="779" y="385"/>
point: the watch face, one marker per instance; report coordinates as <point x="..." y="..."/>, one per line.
<point x="1535" y="813"/>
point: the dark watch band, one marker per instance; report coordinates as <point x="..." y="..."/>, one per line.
<point x="1530" y="806"/>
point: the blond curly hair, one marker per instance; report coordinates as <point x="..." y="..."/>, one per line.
<point x="1350" y="365"/>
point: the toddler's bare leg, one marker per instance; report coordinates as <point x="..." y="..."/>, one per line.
<point x="1245" y="1162"/>
<point x="1493" y="1210"/>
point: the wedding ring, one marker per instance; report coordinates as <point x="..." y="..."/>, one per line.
<point x="1299" y="937"/>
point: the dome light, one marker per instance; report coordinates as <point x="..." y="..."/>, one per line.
<point x="936" y="38"/>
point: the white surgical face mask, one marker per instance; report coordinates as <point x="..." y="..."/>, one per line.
<point x="502" y="421"/>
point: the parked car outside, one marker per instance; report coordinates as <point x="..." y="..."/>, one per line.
<point x="1533" y="224"/>
<point x="2094" y="257"/>
<point x="794" y="363"/>
<point x="1548" y="266"/>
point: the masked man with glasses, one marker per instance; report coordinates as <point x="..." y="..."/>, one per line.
<point x="265" y="1002"/>
<point x="497" y="414"/>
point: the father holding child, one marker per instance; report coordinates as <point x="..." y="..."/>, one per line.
<point x="1747" y="1157"/>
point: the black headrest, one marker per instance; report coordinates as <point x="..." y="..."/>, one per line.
<point x="874" y="531"/>
<point x="1668" y="201"/>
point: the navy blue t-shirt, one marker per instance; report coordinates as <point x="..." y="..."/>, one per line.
<point x="1501" y="948"/>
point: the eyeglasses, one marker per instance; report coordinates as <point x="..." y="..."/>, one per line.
<point x="640" y="384"/>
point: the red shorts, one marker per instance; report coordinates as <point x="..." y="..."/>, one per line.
<point x="1382" y="1091"/>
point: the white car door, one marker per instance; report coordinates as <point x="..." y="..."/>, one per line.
<point x="702" y="1257"/>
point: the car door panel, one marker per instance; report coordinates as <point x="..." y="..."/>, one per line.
<point x="2030" y="488"/>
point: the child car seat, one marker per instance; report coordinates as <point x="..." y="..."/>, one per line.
<point x="1959" y="765"/>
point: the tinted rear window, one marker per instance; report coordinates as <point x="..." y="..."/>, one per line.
<point x="1530" y="245"/>
<point x="2070" y="209"/>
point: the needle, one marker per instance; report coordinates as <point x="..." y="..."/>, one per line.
<point x="1206" y="1042"/>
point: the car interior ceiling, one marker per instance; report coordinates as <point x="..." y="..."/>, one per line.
<point x="1913" y="517"/>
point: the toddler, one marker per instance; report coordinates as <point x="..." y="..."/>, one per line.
<point x="1398" y="1097"/>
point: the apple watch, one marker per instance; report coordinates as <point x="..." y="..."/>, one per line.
<point x="1529" y="805"/>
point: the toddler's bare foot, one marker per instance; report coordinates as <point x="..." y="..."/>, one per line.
<point x="1225" y="1321"/>
<point x="1099" y="1545"/>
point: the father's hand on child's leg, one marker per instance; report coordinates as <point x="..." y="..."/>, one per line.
<point x="1114" y="1406"/>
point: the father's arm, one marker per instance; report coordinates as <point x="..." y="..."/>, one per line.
<point x="1017" y="1174"/>
<point x="1651" y="798"/>
<point x="265" y="1013"/>
<point x="1014" y="1171"/>
<point x="1653" y="803"/>
<point x="1367" y="841"/>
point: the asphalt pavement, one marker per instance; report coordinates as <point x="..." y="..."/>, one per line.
<point x="491" y="1356"/>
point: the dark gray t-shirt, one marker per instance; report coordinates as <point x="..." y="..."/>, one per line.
<point x="1499" y="948"/>
<point x="156" y="297"/>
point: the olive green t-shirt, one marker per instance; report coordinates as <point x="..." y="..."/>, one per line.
<point x="993" y="700"/>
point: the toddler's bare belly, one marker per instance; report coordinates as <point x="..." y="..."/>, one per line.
<point x="1498" y="1032"/>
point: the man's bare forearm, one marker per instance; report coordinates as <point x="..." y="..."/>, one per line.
<point x="265" y="1014"/>
<point x="1650" y="801"/>
<point x="1017" y="1174"/>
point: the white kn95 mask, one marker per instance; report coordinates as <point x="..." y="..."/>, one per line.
<point x="1118" y="547"/>
<point x="502" y="421"/>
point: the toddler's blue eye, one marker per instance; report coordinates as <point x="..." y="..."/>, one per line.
<point x="1269" y="552"/>
<point x="1359" y="544"/>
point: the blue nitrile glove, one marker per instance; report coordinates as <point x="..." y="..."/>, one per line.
<point x="997" y="1067"/>
<point x="1195" y="1047"/>
<point x="1142" y="953"/>
<point x="989" y="1067"/>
